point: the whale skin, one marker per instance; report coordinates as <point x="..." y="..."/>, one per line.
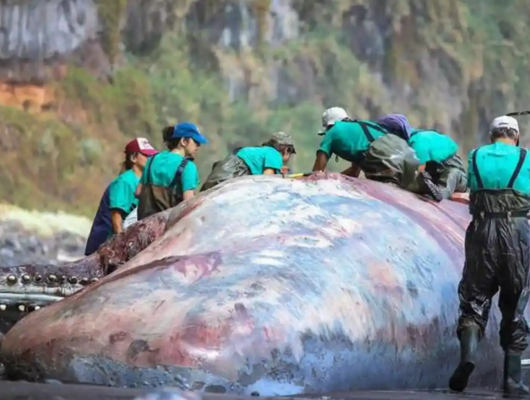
<point x="268" y="285"/>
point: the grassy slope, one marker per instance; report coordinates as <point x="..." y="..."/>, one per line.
<point x="63" y="159"/>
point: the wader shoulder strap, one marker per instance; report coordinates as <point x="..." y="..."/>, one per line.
<point x="178" y="174"/>
<point x="475" y="170"/>
<point x="365" y="125"/>
<point x="236" y="150"/>
<point x="522" y="156"/>
<point x="148" y="172"/>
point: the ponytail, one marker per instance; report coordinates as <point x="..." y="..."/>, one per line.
<point x="126" y="164"/>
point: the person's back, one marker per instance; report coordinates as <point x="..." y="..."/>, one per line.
<point x="267" y="159"/>
<point x="496" y="164"/>
<point x="497" y="250"/>
<point x="166" y="177"/>
<point x="349" y="140"/>
<point x="171" y="176"/>
<point x="433" y="146"/>
<point x="258" y="159"/>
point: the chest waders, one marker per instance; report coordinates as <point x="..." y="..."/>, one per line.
<point x="229" y="168"/>
<point x="497" y="249"/>
<point x="388" y="158"/>
<point x="155" y="198"/>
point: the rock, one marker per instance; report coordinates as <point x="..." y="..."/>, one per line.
<point x="19" y="246"/>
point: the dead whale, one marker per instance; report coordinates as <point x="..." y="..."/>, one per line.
<point x="271" y="286"/>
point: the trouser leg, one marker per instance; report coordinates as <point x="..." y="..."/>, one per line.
<point x="513" y="299"/>
<point x="475" y="290"/>
<point x="451" y="180"/>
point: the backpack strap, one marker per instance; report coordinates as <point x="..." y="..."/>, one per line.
<point x="365" y="125"/>
<point x="475" y="170"/>
<point x="522" y="156"/>
<point x="176" y="180"/>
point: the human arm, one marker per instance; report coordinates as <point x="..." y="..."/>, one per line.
<point x="354" y="170"/>
<point x="121" y="201"/>
<point x="325" y="152"/>
<point x="116" y="220"/>
<point x="269" y="171"/>
<point x="190" y="180"/>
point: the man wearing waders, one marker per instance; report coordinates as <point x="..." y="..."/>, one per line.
<point x="441" y="172"/>
<point x="497" y="252"/>
<point x="368" y="146"/>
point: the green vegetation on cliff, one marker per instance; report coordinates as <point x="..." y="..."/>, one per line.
<point x="452" y="65"/>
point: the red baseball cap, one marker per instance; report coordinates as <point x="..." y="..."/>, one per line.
<point x="140" y="145"/>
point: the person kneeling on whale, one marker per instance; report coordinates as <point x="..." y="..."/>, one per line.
<point x="268" y="159"/>
<point x="382" y="155"/>
<point x="442" y="171"/>
<point x="497" y="251"/>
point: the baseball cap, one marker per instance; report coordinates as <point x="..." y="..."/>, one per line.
<point x="188" y="130"/>
<point x="504" y="122"/>
<point x="140" y="145"/>
<point x="330" y="116"/>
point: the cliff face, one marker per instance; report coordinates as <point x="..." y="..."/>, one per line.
<point x="80" y="77"/>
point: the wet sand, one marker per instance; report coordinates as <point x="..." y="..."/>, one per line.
<point x="52" y="391"/>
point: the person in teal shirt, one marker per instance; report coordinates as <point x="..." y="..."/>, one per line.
<point x="119" y="198"/>
<point x="441" y="172"/>
<point x="367" y="146"/>
<point x="171" y="176"/>
<point x="268" y="159"/>
<point x="497" y="251"/>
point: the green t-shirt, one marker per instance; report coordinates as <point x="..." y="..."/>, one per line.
<point x="260" y="158"/>
<point x="496" y="164"/>
<point x="121" y="192"/>
<point x="163" y="167"/>
<point x="432" y="146"/>
<point x="348" y="140"/>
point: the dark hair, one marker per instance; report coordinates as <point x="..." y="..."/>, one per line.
<point x="507" y="133"/>
<point x="128" y="163"/>
<point x="167" y="132"/>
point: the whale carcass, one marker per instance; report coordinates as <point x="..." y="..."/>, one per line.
<point x="27" y="288"/>
<point x="271" y="286"/>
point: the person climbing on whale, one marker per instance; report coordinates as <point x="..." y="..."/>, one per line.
<point x="270" y="158"/>
<point x="119" y="198"/>
<point x="171" y="176"/>
<point x="368" y="146"/>
<point x="497" y="251"/>
<point x="441" y="172"/>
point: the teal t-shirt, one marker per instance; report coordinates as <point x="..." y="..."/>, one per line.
<point x="496" y="164"/>
<point x="432" y="146"/>
<point x="121" y="193"/>
<point x="163" y="167"/>
<point x="261" y="158"/>
<point x="348" y="140"/>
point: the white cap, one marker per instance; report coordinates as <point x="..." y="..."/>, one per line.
<point x="330" y="116"/>
<point x="504" y="122"/>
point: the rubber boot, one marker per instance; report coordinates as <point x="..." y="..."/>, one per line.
<point x="469" y="339"/>
<point x="512" y="375"/>
<point x="429" y="187"/>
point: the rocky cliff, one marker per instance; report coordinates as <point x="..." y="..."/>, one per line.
<point x="80" y="77"/>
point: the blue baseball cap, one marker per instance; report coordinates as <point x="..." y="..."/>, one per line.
<point x="188" y="130"/>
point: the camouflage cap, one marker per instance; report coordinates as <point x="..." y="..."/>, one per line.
<point x="283" y="138"/>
